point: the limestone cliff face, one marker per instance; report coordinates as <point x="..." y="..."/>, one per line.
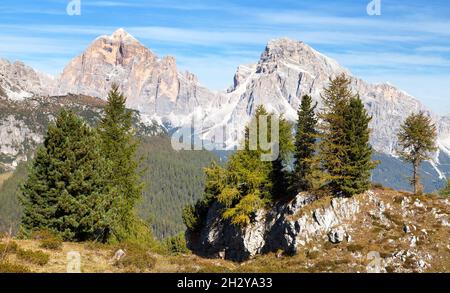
<point x="282" y="227"/>
<point x="19" y="81"/>
<point x="23" y="123"/>
<point x="289" y="69"/>
<point x="152" y="85"/>
<point x="381" y="229"/>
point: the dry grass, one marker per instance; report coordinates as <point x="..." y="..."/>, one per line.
<point x="368" y="234"/>
<point x="4" y="177"/>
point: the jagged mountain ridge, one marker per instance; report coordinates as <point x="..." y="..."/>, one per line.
<point x="290" y="69"/>
<point x="23" y="123"/>
<point x="19" y="81"/>
<point x="286" y="70"/>
<point x="153" y="86"/>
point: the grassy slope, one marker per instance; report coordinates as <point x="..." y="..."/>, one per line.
<point x="4" y="177"/>
<point x="368" y="233"/>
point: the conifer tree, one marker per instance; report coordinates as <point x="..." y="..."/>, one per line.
<point x="305" y="145"/>
<point x="279" y="175"/>
<point x="66" y="191"/>
<point x="417" y="140"/>
<point x="344" y="148"/>
<point x="119" y="147"/>
<point x="358" y="157"/>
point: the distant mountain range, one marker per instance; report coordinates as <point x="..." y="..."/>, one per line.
<point x="286" y="71"/>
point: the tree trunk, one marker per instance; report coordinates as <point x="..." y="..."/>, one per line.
<point x="416" y="178"/>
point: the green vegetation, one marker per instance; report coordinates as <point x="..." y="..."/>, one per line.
<point x="7" y="267"/>
<point x="417" y="139"/>
<point x="66" y="191"/>
<point x="118" y="147"/>
<point x="340" y="163"/>
<point x="305" y="146"/>
<point x="48" y="239"/>
<point x="10" y="209"/>
<point x="176" y="244"/>
<point x="344" y="147"/>
<point x="176" y="177"/>
<point x="136" y="259"/>
<point x="173" y="179"/>
<point x="34" y="257"/>
<point x="248" y="182"/>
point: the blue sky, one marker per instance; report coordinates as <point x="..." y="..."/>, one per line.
<point x="408" y="45"/>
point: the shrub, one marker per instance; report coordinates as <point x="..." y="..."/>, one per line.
<point x="354" y="247"/>
<point x="6" y="267"/>
<point x="176" y="244"/>
<point x="35" y="257"/>
<point x="54" y="243"/>
<point x="136" y="257"/>
<point x="48" y="239"/>
<point x="190" y="219"/>
<point x="8" y="247"/>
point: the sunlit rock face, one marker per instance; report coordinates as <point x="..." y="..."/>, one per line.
<point x="152" y="85"/>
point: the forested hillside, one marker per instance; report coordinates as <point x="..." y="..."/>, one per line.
<point x="172" y="179"/>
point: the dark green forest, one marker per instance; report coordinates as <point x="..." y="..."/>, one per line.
<point x="171" y="180"/>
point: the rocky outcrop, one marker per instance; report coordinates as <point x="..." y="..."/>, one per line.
<point x="286" y="226"/>
<point x="19" y="81"/>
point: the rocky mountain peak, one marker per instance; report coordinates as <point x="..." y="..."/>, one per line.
<point x="19" y="81"/>
<point x="152" y="85"/>
<point x="122" y="35"/>
<point x="288" y="52"/>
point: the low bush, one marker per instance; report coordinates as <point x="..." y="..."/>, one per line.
<point x="136" y="258"/>
<point x="8" y="247"/>
<point x="176" y="244"/>
<point x="6" y="267"/>
<point x="51" y="243"/>
<point x="48" y="239"/>
<point x="35" y="257"/>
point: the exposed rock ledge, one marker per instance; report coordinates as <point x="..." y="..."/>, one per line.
<point x="285" y="227"/>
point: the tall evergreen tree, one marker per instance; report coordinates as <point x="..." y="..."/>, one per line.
<point x="305" y="145"/>
<point x="119" y="147"/>
<point x="66" y="191"/>
<point x="344" y="149"/>
<point x="279" y="175"/>
<point x="417" y="140"/>
<point x="358" y="157"/>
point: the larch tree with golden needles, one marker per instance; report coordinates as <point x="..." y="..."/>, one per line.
<point x="417" y="141"/>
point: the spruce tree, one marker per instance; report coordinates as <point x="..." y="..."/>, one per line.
<point x="305" y="145"/>
<point x="119" y="147"/>
<point x="279" y="175"/>
<point x="344" y="148"/>
<point x="417" y="140"/>
<point x="332" y="144"/>
<point x="66" y="191"/>
<point x="358" y="157"/>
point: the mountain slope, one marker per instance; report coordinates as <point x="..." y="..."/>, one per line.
<point x="152" y="85"/>
<point x="19" y="81"/>
<point x="287" y="69"/>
